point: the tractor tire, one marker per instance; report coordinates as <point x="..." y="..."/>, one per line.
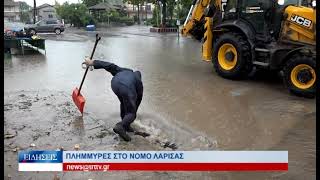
<point x="300" y="75"/>
<point x="231" y="56"/>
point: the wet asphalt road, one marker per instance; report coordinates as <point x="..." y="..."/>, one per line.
<point x="185" y="104"/>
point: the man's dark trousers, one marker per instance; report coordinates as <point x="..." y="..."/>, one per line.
<point x="129" y="102"/>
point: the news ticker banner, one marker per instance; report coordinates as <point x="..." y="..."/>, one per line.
<point x="153" y="160"/>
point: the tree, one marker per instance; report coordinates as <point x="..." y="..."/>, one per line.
<point x="90" y="3"/>
<point x="155" y="16"/>
<point x="185" y="6"/>
<point x="170" y="9"/>
<point x="164" y="9"/>
<point x="137" y="3"/>
<point x="24" y="6"/>
<point x="56" y="4"/>
<point x="164" y="12"/>
<point x="24" y="11"/>
<point x="76" y="14"/>
<point x="181" y="7"/>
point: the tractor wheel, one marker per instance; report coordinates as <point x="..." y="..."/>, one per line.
<point x="300" y="75"/>
<point x="231" y="56"/>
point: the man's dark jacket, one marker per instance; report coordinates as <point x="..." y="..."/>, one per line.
<point x="123" y="76"/>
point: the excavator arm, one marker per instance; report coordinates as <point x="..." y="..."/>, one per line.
<point x="194" y="24"/>
<point x="198" y="23"/>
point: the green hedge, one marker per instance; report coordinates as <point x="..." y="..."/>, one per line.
<point x="172" y="23"/>
<point x="126" y="20"/>
<point x="151" y="22"/>
<point x="115" y="17"/>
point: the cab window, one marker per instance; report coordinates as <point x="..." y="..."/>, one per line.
<point x="231" y="6"/>
<point x="290" y="2"/>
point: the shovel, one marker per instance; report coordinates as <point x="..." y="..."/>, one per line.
<point x="78" y="99"/>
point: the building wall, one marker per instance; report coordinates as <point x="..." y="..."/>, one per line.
<point x="11" y="12"/>
<point x="47" y="13"/>
<point x="133" y="10"/>
<point x="11" y="9"/>
<point x="142" y="15"/>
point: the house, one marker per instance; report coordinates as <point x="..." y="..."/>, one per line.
<point x="11" y="10"/>
<point x="104" y="6"/>
<point x="145" y="10"/>
<point x="107" y="6"/>
<point x="45" y="12"/>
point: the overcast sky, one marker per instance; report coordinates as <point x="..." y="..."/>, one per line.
<point x="51" y="2"/>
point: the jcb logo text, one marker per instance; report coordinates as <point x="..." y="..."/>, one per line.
<point x="301" y="20"/>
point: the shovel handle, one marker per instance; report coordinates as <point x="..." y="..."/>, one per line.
<point x="92" y="53"/>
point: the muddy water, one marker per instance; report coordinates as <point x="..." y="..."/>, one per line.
<point x="185" y="105"/>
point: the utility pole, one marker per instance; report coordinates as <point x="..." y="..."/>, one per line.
<point x="158" y="14"/>
<point x="163" y="11"/>
<point x="145" y="9"/>
<point x="178" y="19"/>
<point x="34" y="11"/>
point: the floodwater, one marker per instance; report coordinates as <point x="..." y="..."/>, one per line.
<point x="186" y="106"/>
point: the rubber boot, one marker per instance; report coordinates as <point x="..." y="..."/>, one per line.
<point x="119" y="129"/>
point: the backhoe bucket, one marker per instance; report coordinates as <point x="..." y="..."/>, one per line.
<point x="78" y="99"/>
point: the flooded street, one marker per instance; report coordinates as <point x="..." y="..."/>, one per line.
<point x="186" y="106"/>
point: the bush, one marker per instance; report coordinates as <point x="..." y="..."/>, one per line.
<point x="148" y="22"/>
<point x="102" y="18"/>
<point x="172" y="23"/>
<point x="126" y="20"/>
<point x="114" y="16"/>
<point x="155" y="15"/>
<point x="76" y="14"/>
<point x="88" y="19"/>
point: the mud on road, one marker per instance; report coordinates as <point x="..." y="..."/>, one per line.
<point x="48" y="120"/>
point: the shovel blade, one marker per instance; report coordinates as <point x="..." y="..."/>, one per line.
<point x="78" y="99"/>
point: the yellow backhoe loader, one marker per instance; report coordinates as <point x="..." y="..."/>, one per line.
<point x="238" y="35"/>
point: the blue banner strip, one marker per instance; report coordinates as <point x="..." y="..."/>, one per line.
<point x="40" y="157"/>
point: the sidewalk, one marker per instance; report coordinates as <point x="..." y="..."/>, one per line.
<point x="126" y="30"/>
